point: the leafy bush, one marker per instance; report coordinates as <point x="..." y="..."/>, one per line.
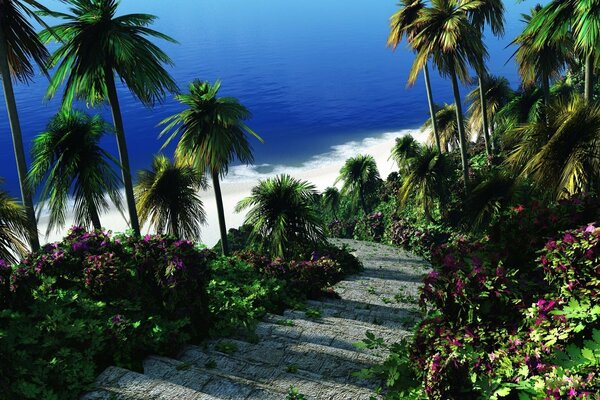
<point x="239" y="294"/>
<point x="419" y="239"/>
<point x="308" y="277"/>
<point x="497" y="330"/>
<point x="93" y="300"/>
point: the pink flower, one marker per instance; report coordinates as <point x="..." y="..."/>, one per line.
<point x="568" y="238"/>
<point x="519" y="209"/>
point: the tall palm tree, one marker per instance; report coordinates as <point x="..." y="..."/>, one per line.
<point x="359" y="175"/>
<point x="427" y="181"/>
<point x="453" y="43"/>
<point x="167" y="197"/>
<point x="402" y="23"/>
<point x="490" y="12"/>
<point x="527" y="106"/>
<point x="447" y="125"/>
<point x="562" y="156"/>
<point x="19" y="45"/>
<point x="331" y="200"/>
<point x="94" y="46"/>
<point x="561" y="18"/>
<point x="212" y="134"/>
<point x="15" y="229"/>
<point x="541" y="61"/>
<point x="68" y="159"/>
<point x="497" y="95"/>
<point x="282" y="215"/>
<point x="404" y="151"/>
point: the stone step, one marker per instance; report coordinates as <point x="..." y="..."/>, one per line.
<point x="338" y="333"/>
<point x="363" y="318"/>
<point x="212" y="381"/>
<point x="308" y="358"/>
<point x="121" y="384"/>
<point x="350" y="309"/>
<point x="233" y="379"/>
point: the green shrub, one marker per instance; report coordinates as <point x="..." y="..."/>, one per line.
<point x="93" y="300"/>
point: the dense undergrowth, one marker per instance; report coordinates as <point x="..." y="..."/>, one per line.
<point x="510" y="311"/>
<point x="97" y="299"/>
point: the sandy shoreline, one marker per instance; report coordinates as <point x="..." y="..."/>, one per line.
<point x="321" y="170"/>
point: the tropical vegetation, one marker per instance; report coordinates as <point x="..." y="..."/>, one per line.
<point x="212" y="135"/>
<point x="95" y="45"/>
<point x="168" y="198"/>
<point x="70" y="166"/>
<point x="503" y="201"/>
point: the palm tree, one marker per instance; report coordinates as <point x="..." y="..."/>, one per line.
<point x="488" y="199"/>
<point x="167" y="197"/>
<point x="402" y="22"/>
<point x="282" y="215"/>
<point x="497" y="95"/>
<point x="490" y="12"/>
<point x="94" y="45"/>
<point x="19" y="45"/>
<point x="68" y="159"/>
<point x="562" y="18"/>
<point x="404" y="151"/>
<point x="427" y="181"/>
<point x="446" y="119"/>
<point x="449" y="38"/>
<point x="562" y="156"/>
<point x="541" y="61"/>
<point x="359" y="175"/>
<point x="213" y="134"/>
<point x="527" y="106"/>
<point x="331" y="200"/>
<point x="15" y="228"/>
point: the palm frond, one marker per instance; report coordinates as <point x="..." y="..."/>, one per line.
<point x="167" y="198"/>
<point x="282" y="214"/>
<point x="68" y="161"/>
<point x="93" y="42"/>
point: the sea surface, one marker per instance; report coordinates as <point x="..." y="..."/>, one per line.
<point x="316" y="75"/>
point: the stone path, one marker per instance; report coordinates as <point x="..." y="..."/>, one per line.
<point x="309" y="350"/>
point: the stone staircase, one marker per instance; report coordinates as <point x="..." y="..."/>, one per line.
<point x="311" y="351"/>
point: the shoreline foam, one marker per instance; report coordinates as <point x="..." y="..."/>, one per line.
<point x="321" y="170"/>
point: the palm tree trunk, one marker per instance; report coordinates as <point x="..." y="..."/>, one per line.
<point x="113" y="100"/>
<point x="431" y="108"/>
<point x="589" y="77"/>
<point x="484" y="115"/>
<point x="17" y="138"/>
<point x="221" y="213"/>
<point x="175" y="224"/>
<point x="546" y="89"/>
<point x="95" y="217"/>
<point x="363" y="203"/>
<point x="461" y="130"/>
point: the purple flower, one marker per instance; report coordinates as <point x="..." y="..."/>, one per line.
<point x="568" y="238"/>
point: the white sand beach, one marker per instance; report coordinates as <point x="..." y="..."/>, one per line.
<point x="321" y="170"/>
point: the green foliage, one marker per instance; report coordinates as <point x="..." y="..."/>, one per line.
<point x="294" y="394"/>
<point x="94" y="41"/>
<point x="211" y="129"/>
<point x="14" y="228"/>
<point x="69" y="162"/>
<point x="398" y="374"/>
<point x="93" y="300"/>
<point x="22" y="42"/>
<point x="239" y="295"/>
<point x="283" y="217"/>
<point x="167" y="197"/>
<point x="360" y="177"/>
<point x="561" y="156"/>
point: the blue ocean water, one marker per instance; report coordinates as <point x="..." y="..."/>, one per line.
<point x="314" y="73"/>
